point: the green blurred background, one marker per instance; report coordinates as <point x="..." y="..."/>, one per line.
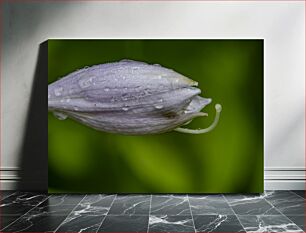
<point x="227" y="160"/>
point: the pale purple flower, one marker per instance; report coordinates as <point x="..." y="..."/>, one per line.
<point x="129" y="97"/>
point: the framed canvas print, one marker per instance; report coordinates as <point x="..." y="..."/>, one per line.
<point x="155" y="116"/>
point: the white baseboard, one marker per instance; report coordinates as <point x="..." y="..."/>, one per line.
<point x="9" y="178"/>
<point x="276" y="178"/>
<point x="284" y="178"/>
<point x="284" y="184"/>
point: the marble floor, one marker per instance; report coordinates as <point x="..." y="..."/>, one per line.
<point x="273" y="211"/>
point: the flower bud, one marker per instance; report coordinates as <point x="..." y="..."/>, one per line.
<point x="128" y="97"/>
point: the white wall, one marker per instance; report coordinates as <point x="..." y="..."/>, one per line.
<point x="281" y="24"/>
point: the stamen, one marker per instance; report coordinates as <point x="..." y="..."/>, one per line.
<point x="218" y="108"/>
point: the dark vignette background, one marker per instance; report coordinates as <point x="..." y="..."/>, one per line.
<point x="226" y="160"/>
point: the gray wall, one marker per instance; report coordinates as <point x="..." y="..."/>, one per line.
<point x="26" y="25"/>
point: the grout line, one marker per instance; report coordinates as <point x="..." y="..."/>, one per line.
<point x="283" y="214"/>
<point x="298" y="194"/>
<point x="149" y="212"/>
<point x="25" y="213"/>
<point x="191" y="214"/>
<point x="69" y="213"/>
<point x="234" y="212"/>
<point x="107" y="213"/>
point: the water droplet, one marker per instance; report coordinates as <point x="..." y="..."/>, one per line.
<point x="62" y="100"/>
<point x="68" y="100"/>
<point x="160" y="100"/>
<point x="49" y="96"/>
<point x="75" y="108"/>
<point x="176" y="80"/>
<point x="125" y="108"/>
<point x="106" y="89"/>
<point x="60" y="116"/>
<point x="113" y="99"/>
<point x="58" y="91"/>
<point x="86" y="67"/>
<point x="123" y="77"/>
<point x="156" y="64"/>
<point x="159" y="106"/>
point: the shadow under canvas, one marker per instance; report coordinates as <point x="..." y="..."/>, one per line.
<point x="34" y="153"/>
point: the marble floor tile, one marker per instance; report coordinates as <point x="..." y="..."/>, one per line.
<point x="266" y="223"/>
<point x="170" y="205"/>
<point x="81" y="223"/>
<point x="95" y="204"/>
<point x="301" y="193"/>
<point x="299" y="220"/>
<point x="21" y="202"/>
<point x="166" y="223"/>
<point x="45" y="209"/>
<point x="124" y="223"/>
<point x="209" y="205"/>
<point x="250" y="205"/>
<point x="5" y="194"/>
<point x="130" y="204"/>
<point x="35" y="223"/>
<point x="65" y="199"/>
<point x="7" y="220"/>
<point x="217" y="223"/>
<point x="57" y="205"/>
<point x="286" y="202"/>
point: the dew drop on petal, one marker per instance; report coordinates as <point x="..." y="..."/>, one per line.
<point x="106" y="89"/>
<point x="125" y="108"/>
<point x="159" y="106"/>
<point x="60" y="116"/>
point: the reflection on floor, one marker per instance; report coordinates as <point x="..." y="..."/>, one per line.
<point x="273" y="211"/>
